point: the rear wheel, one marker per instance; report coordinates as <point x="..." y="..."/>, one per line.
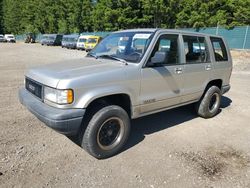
<point x="107" y="132"/>
<point x="209" y="104"/>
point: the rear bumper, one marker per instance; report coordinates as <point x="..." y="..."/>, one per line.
<point x="225" y="89"/>
<point x="65" y="121"/>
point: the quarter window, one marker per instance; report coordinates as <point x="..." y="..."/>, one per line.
<point x="195" y="49"/>
<point x="220" y="52"/>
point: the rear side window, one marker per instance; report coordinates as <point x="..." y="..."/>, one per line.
<point x="220" y="52"/>
<point x="195" y="49"/>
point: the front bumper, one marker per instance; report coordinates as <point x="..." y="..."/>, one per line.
<point x="65" y="121"/>
<point x="11" y="41"/>
<point x="80" y="47"/>
<point x="70" y="46"/>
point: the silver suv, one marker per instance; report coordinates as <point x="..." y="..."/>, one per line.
<point x="130" y="74"/>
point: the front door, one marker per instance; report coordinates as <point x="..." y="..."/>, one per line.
<point x="161" y="83"/>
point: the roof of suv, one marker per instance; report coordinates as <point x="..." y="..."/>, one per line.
<point x="71" y="36"/>
<point x="51" y="34"/>
<point x="165" y="30"/>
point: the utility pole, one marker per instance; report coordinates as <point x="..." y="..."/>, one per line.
<point x="217" y="28"/>
<point x="245" y="39"/>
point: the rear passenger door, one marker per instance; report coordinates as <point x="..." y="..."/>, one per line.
<point x="197" y="67"/>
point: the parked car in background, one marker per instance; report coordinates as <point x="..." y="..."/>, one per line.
<point x="51" y="40"/>
<point x="70" y="41"/>
<point x="82" y="41"/>
<point x="2" y="39"/>
<point x="10" y="38"/>
<point x="91" y="42"/>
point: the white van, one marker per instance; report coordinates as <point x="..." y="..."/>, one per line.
<point x="81" y="42"/>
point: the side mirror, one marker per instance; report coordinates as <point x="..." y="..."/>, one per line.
<point x="159" y="58"/>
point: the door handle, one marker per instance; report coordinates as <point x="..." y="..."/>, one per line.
<point x="208" y="67"/>
<point x="178" y="70"/>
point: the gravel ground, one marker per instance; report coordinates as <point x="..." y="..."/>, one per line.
<point x="174" y="148"/>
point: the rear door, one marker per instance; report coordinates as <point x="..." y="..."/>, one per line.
<point x="197" y="67"/>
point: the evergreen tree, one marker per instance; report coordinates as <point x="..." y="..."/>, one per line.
<point x="85" y="19"/>
<point x="12" y="16"/>
<point x="73" y="16"/>
<point x="1" y="17"/>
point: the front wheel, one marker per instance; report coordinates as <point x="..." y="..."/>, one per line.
<point x="107" y="132"/>
<point x="209" y="104"/>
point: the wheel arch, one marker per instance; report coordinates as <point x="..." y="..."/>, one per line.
<point x="120" y="99"/>
<point x="215" y="82"/>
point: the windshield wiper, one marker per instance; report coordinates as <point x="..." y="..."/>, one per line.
<point x="114" y="58"/>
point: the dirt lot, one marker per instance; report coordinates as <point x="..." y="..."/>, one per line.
<point x="174" y="148"/>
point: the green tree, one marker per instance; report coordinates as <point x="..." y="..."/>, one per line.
<point x="85" y="19"/>
<point x="1" y="17"/>
<point x="193" y="13"/>
<point x="73" y="16"/>
<point x="154" y="12"/>
<point x="12" y="16"/>
<point x="105" y="16"/>
<point x="29" y="16"/>
<point x="240" y="12"/>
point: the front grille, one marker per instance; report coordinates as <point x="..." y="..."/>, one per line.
<point x="33" y="87"/>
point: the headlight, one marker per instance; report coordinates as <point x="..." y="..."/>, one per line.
<point x="58" y="96"/>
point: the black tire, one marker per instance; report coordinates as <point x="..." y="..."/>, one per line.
<point x="209" y="104"/>
<point x="107" y="132"/>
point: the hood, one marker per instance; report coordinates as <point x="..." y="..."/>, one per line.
<point x="50" y="75"/>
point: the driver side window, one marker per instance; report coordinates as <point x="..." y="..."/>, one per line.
<point x="167" y="49"/>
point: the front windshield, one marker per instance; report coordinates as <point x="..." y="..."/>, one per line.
<point x="74" y="39"/>
<point x="70" y="39"/>
<point x="91" y="40"/>
<point x="51" y="37"/>
<point x="82" y="40"/>
<point x="65" y="39"/>
<point x="129" y="46"/>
